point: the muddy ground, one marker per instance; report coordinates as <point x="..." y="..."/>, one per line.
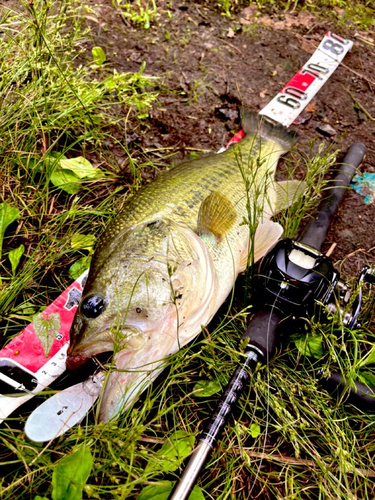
<point x="212" y="65"/>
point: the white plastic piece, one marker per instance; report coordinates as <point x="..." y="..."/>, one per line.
<point x="62" y="411"/>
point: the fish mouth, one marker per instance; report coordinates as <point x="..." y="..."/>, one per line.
<point x="79" y="355"/>
<point x="80" y="352"/>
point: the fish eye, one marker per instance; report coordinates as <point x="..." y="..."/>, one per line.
<point x="92" y="306"/>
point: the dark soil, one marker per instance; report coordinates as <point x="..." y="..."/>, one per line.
<point x="213" y="65"/>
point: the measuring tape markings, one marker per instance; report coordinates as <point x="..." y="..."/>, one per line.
<point x="25" y="353"/>
<point x="300" y="90"/>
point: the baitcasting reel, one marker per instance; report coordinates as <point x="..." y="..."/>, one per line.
<point x="296" y="278"/>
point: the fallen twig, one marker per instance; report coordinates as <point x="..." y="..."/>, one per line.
<point x="285" y="459"/>
<point x="360" y="106"/>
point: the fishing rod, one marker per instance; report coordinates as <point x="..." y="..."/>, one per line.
<point x="295" y="276"/>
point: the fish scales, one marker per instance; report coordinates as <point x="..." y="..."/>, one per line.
<point x="167" y="262"/>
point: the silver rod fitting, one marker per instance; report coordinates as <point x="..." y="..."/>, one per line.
<point x="184" y="486"/>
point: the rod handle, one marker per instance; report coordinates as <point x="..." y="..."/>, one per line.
<point x="215" y="426"/>
<point x="360" y="395"/>
<point x="316" y="230"/>
<point x="183" y="487"/>
<point x="262" y="331"/>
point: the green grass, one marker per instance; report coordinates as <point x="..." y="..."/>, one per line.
<point x="55" y="102"/>
<point x="358" y="12"/>
<point x="288" y="438"/>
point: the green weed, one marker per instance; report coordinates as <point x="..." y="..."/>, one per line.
<point x="55" y="113"/>
<point x="358" y="12"/>
<point x="316" y="164"/>
<point x="138" y="12"/>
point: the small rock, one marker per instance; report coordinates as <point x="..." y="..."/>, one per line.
<point x="325" y="129"/>
<point x="347" y="234"/>
<point x="227" y="113"/>
<point x="301" y="119"/>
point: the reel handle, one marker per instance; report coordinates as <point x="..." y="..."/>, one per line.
<point x="316" y="230"/>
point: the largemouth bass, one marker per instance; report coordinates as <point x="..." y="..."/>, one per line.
<point x="170" y="258"/>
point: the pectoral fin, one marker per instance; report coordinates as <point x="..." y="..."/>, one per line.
<point x="216" y="216"/>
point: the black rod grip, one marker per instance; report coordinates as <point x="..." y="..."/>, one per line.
<point x="316" y="230"/>
<point x="361" y="395"/>
<point x="262" y="331"/>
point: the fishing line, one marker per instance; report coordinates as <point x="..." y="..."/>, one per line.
<point x="15" y="385"/>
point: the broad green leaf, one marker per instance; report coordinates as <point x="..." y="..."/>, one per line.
<point x="310" y="346"/>
<point x="157" y="492"/>
<point x="82" y="241"/>
<point x="47" y="328"/>
<point x="162" y="492"/>
<point x="41" y="498"/>
<point x="196" y="494"/>
<point x="81" y="167"/>
<point x="254" y="430"/>
<point x="79" y="267"/>
<point x="206" y="388"/>
<point x="71" y="474"/>
<point x="25" y="308"/>
<point x="369" y="358"/>
<point x="15" y="256"/>
<point x="110" y="84"/>
<point x="51" y="161"/>
<point x="67" y="174"/>
<point x="98" y="55"/>
<point x="66" y="180"/>
<point x="30" y="163"/>
<point x="8" y="215"/>
<point x="367" y="378"/>
<point x="175" y="449"/>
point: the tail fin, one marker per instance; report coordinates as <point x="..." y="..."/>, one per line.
<point x="252" y="123"/>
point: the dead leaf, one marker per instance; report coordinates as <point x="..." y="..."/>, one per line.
<point x="306" y="19"/>
<point x="365" y="39"/>
<point x="263" y="93"/>
<point x="279" y="25"/>
<point x="289" y="20"/>
<point x="249" y="12"/>
<point x="230" y="33"/>
<point x="303" y="19"/>
<point x="93" y="19"/>
<point x="307" y="46"/>
<point x="265" y="20"/>
<point x="339" y="11"/>
<point x="310" y="108"/>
